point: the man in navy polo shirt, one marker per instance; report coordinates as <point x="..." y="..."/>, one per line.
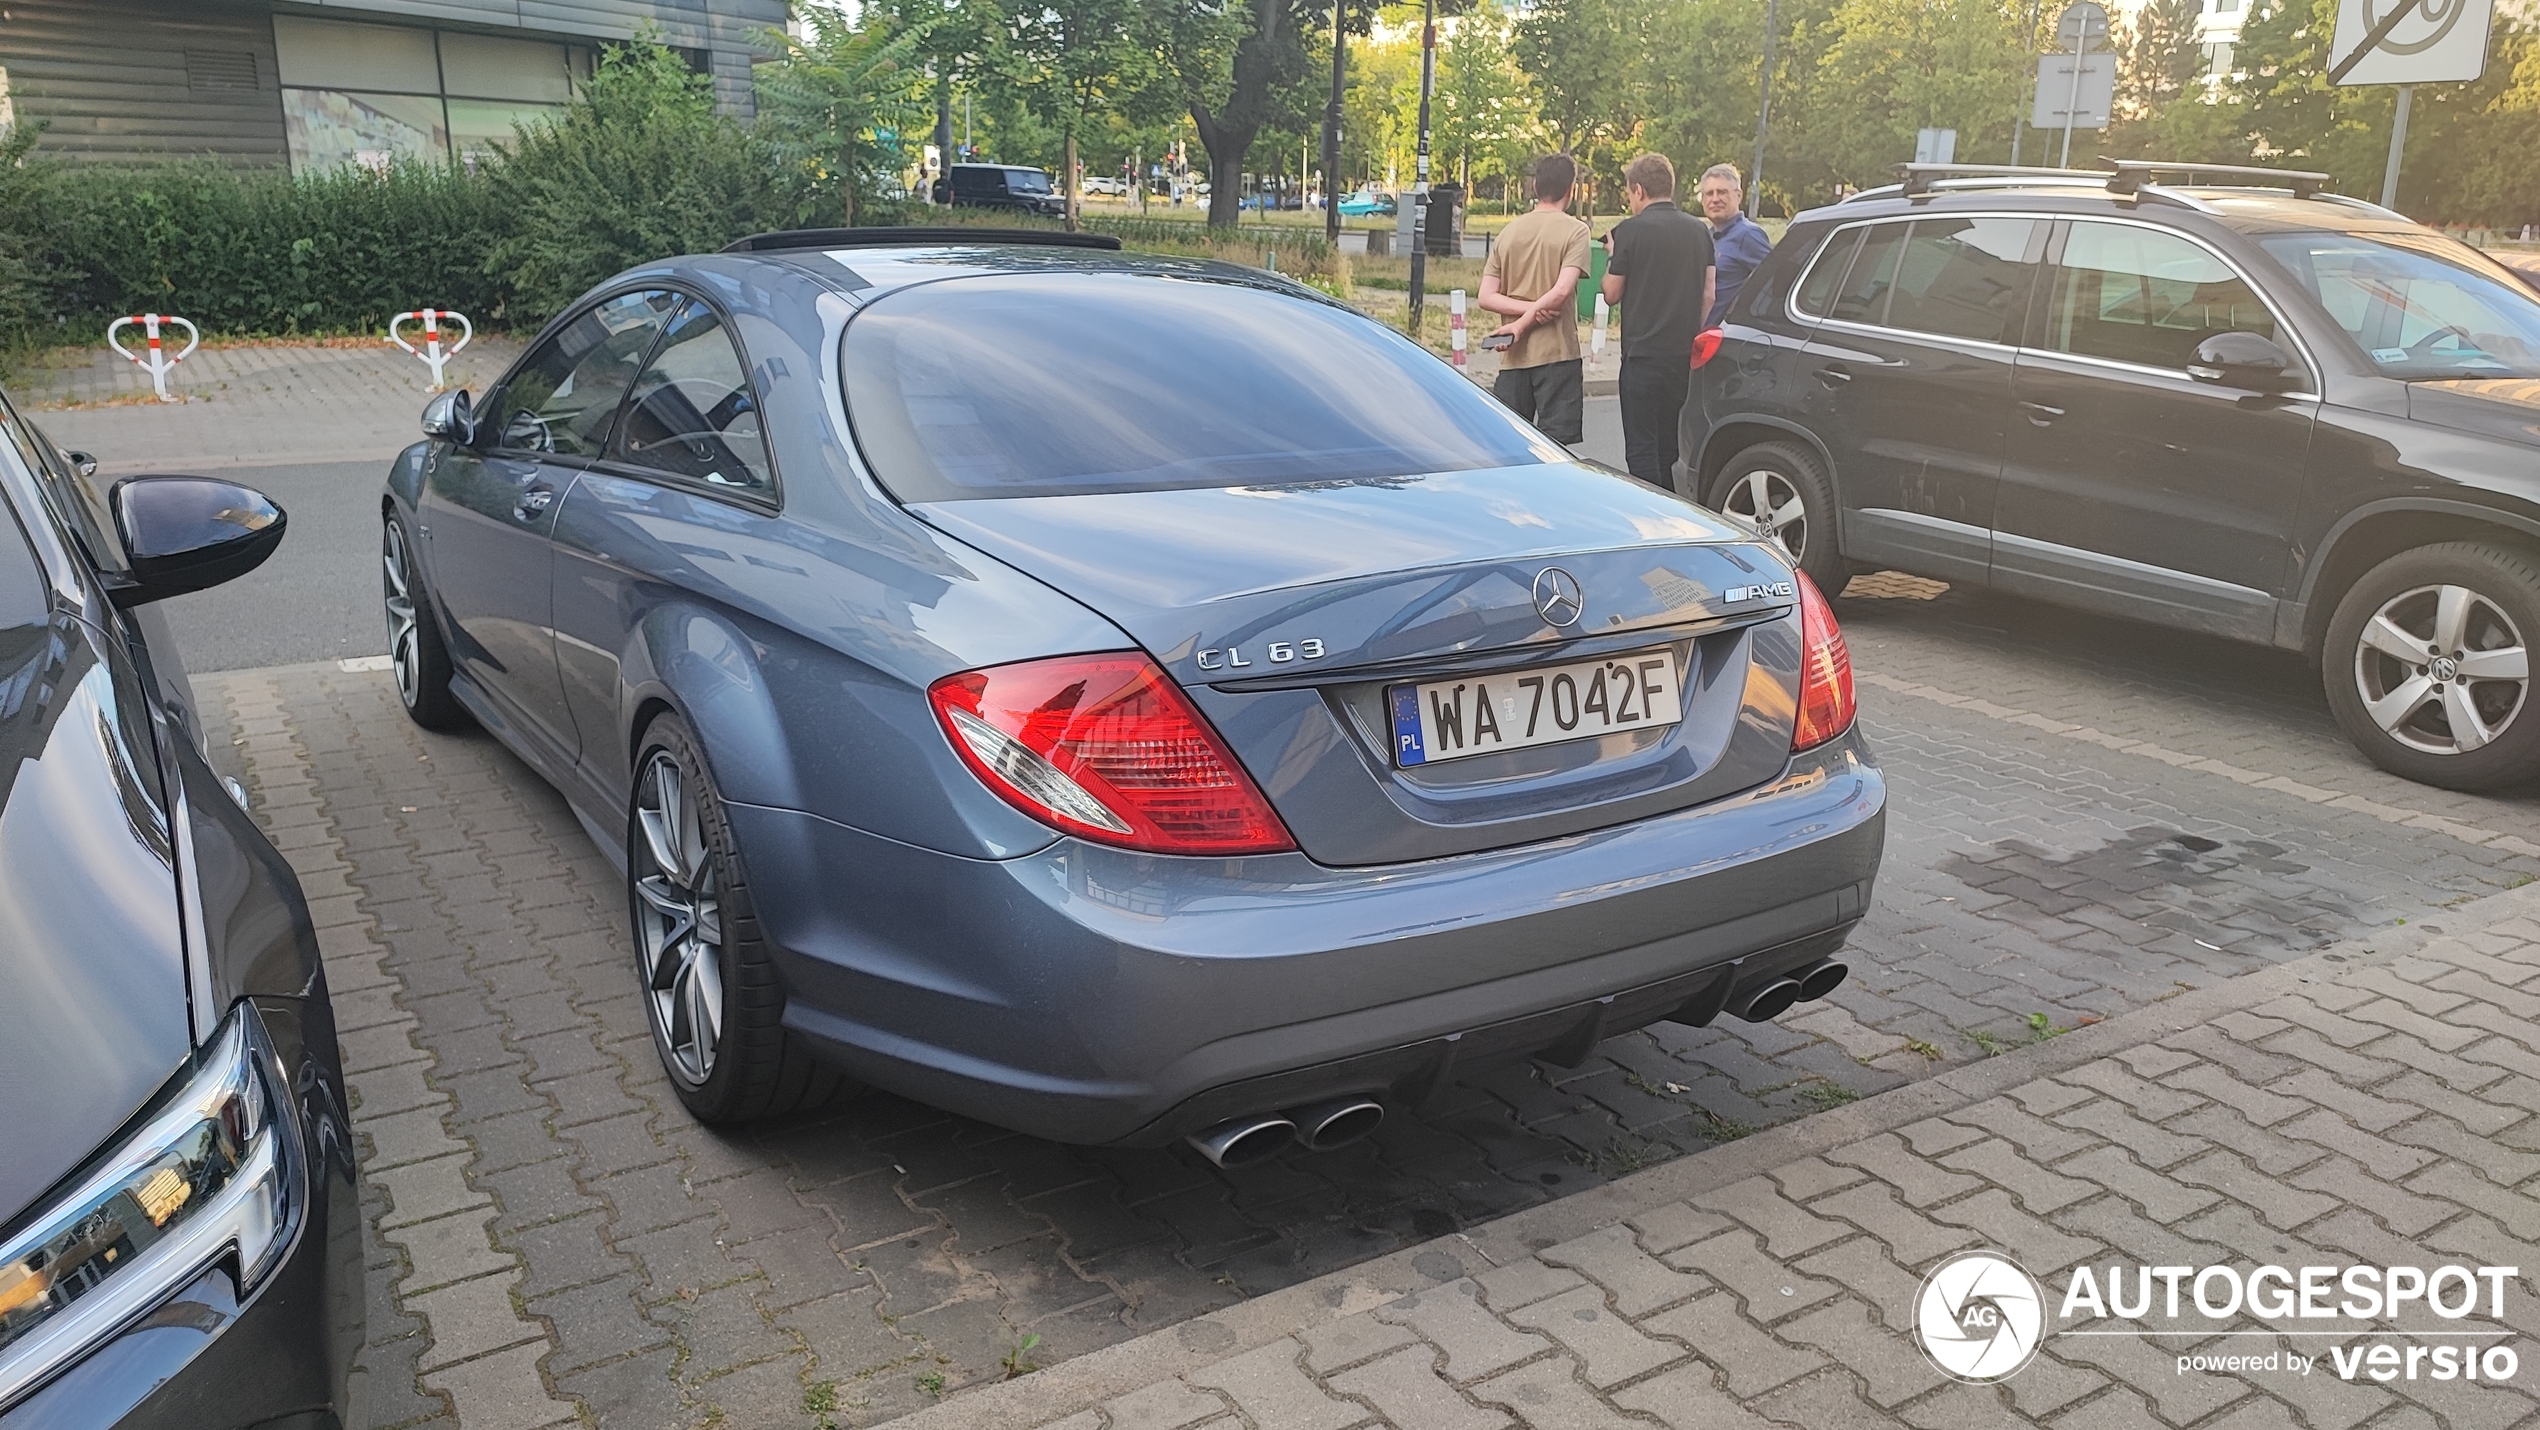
<point x="1737" y="240"/>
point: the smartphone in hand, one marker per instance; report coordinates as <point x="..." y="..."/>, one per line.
<point x="1500" y="342"/>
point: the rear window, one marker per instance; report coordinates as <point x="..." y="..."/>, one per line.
<point x="1059" y="384"/>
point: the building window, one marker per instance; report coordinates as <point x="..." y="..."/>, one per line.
<point x="376" y="94"/>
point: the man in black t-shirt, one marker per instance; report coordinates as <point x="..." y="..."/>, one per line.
<point x="1663" y="255"/>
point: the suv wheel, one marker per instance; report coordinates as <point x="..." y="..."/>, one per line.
<point x="2428" y="668"/>
<point x="1780" y="487"/>
<point x="710" y="989"/>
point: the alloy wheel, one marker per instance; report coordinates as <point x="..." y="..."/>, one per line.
<point x="398" y="596"/>
<point x="1771" y="500"/>
<point x="2442" y="669"/>
<point x="678" y="920"/>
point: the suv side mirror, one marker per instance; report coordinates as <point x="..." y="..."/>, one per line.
<point x="451" y="417"/>
<point x="2243" y="360"/>
<point x="184" y="534"/>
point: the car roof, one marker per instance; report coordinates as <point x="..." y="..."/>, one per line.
<point x="862" y="270"/>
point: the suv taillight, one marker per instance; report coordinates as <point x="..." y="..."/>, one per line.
<point x="1107" y="748"/>
<point x="1826" y="704"/>
<point x="1705" y="343"/>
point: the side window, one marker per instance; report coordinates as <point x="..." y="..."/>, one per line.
<point x="2142" y="296"/>
<point x="564" y="393"/>
<point x="1962" y="277"/>
<point x="694" y="414"/>
<point x="25" y="596"/>
<point x="1862" y="298"/>
<point x="1818" y="287"/>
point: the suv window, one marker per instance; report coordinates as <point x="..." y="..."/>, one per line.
<point x="2420" y="305"/>
<point x="693" y="414"/>
<point x="1818" y="287"/>
<point x="1046" y="385"/>
<point x="1862" y="297"/>
<point x="2139" y="295"/>
<point x="1962" y="277"/>
<point x="561" y="397"/>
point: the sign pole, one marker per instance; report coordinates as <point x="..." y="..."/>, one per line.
<point x="2398" y="143"/>
<point x="2081" y="61"/>
<point x="1763" y="111"/>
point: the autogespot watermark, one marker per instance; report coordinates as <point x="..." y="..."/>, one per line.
<point x="1980" y="1317"/>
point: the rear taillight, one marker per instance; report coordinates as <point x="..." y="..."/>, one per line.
<point x="1108" y="749"/>
<point x="1705" y="343"/>
<point x="1826" y="706"/>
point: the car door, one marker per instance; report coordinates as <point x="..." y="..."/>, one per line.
<point x="682" y="503"/>
<point x="1908" y="380"/>
<point x="2129" y="486"/>
<point x="488" y="513"/>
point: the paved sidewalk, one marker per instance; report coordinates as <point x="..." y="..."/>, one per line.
<point x="2362" y="1106"/>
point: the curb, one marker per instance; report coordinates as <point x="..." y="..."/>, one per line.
<point x="1166" y="1354"/>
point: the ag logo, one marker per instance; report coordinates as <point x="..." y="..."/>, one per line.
<point x="1979" y="1316"/>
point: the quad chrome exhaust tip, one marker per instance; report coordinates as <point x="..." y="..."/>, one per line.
<point x="1337" y="1123"/>
<point x="1242" y="1141"/>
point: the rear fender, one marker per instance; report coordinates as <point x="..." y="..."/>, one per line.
<point x="686" y="658"/>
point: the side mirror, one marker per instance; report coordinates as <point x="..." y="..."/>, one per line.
<point x="184" y="534"/>
<point x="2243" y="360"/>
<point x="451" y="417"/>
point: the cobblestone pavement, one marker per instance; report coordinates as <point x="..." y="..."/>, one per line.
<point x="2360" y="1107"/>
<point x="2075" y="835"/>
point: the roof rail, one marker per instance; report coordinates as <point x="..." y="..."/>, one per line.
<point x="908" y="237"/>
<point x="1919" y="178"/>
<point x="2130" y="175"/>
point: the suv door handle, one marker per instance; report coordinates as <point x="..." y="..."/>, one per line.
<point x="533" y="502"/>
<point x="1834" y="376"/>
<point x="2039" y="414"/>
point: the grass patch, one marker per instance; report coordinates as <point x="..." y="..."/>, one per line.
<point x="1824" y="1095"/>
<point x="1018" y="1358"/>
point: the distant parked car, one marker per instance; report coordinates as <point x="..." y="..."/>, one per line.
<point x="1117" y="779"/>
<point x="1001" y="186"/>
<point x="180" y="1234"/>
<point x="1106" y="186"/>
<point x="1369" y="201"/>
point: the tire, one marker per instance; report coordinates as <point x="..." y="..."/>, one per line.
<point x="416" y="654"/>
<point x="2431" y="645"/>
<point x="708" y="986"/>
<point x="1781" y="473"/>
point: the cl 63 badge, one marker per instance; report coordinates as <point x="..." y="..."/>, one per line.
<point x="1276" y="652"/>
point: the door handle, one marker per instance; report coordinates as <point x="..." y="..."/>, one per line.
<point x="1834" y="376"/>
<point x="533" y="502"/>
<point x="2039" y="414"/>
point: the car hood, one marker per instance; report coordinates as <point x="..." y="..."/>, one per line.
<point x="94" y="1021"/>
<point x="2504" y="407"/>
<point x="1373" y="571"/>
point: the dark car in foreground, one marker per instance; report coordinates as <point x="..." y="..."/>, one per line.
<point x="180" y="1243"/>
<point x="965" y="731"/>
<point x="2239" y="405"/>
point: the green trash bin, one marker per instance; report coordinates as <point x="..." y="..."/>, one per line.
<point x="1594" y="283"/>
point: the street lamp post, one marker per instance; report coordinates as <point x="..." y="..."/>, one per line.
<point x="1332" y="136"/>
<point x="1420" y="168"/>
<point x="1763" y="112"/>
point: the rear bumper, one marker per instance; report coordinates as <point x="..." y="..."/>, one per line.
<point x="1091" y="995"/>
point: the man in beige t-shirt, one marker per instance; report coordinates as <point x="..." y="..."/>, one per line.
<point x="1532" y="279"/>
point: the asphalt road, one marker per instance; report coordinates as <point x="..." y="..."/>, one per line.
<point x="317" y="598"/>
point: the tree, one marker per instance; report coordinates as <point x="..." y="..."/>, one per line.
<point x="835" y="105"/>
<point x="1485" y="118"/>
<point x="1903" y="65"/>
<point x="1066" y="57"/>
<point x="1584" y="58"/>
<point x="1239" y="67"/>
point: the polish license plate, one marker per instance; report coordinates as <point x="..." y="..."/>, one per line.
<point x="1517" y="709"/>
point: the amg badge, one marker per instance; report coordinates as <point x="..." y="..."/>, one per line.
<point x="1758" y="593"/>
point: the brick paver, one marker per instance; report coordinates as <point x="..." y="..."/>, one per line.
<point x="1601" y="1315"/>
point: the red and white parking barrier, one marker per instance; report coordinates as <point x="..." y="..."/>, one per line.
<point x="1455" y="328"/>
<point x="155" y="360"/>
<point x="430" y="352"/>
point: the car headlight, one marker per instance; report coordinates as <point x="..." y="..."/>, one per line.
<point x="214" y="1172"/>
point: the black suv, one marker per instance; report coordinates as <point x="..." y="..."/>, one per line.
<point x="1001" y="186"/>
<point x="2239" y="404"/>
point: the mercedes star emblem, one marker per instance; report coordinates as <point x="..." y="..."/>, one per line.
<point x="1557" y="597"/>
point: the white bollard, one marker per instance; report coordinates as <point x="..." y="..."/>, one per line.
<point x="1455" y="328"/>
<point x="431" y="352"/>
<point x="155" y="361"/>
<point x="1596" y="340"/>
